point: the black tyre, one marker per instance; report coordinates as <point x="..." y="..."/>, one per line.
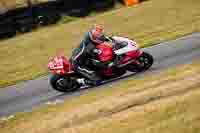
<point x="7" y="35"/>
<point x="81" y="12"/>
<point x="63" y="83"/>
<point x="24" y="29"/>
<point x="48" y="19"/>
<point x="145" y="62"/>
<point x="42" y="20"/>
<point x="11" y="34"/>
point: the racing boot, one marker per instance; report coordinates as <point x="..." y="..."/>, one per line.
<point x="91" y="77"/>
<point x="85" y="82"/>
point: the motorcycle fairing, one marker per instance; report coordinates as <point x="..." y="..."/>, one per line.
<point x="106" y="52"/>
<point x="130" y="56"/>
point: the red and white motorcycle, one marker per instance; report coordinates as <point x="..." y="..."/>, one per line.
<point x="131" y="58"/>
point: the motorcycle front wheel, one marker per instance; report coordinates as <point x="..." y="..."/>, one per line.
<point x="145" y="61"/>
<point x="63" y="83"/>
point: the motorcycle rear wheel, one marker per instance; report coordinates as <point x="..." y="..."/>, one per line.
<point x="63" y="83"/>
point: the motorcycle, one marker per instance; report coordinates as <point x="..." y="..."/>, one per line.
<point x="132" y="59"/>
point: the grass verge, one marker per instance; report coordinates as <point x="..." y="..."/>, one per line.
<point x="146" y="104"/>
<point x="25" y="57"/>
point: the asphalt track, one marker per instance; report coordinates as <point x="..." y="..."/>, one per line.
<point x="25" y="96"/>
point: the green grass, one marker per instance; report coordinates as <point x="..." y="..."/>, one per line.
<point x="26" y="56"/>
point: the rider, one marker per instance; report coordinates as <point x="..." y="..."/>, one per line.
<point x="87" y="48"/>
<point x="80" y="55"/>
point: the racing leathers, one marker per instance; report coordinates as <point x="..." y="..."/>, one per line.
<point x="80" y="60"/>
